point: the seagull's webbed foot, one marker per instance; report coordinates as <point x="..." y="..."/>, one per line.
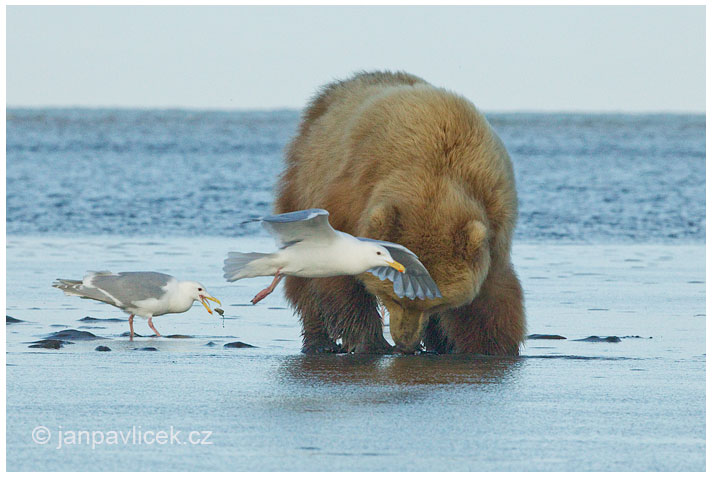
<point x="260" y="295"/>
<point x="265" y="292"/>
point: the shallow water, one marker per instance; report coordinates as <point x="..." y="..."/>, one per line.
<point x="638" y="404"/>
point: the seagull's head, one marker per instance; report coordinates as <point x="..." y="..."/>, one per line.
<point x="197" y="291"/>
<point x="380" y="256"/>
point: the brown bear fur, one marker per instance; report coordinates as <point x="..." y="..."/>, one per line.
<point x="393" y="158"/>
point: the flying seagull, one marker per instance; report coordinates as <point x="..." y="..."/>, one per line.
<point x="146" y="294"/>
<point x="310" y="247"/>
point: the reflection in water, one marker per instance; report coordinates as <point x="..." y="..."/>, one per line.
<point x="398" y="370"/>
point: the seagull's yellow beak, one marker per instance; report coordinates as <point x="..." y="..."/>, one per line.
<point x="205" y="302"/>
<point x="397" y="266"/>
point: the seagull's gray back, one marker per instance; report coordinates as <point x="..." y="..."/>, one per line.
<point x="130" y="287"/>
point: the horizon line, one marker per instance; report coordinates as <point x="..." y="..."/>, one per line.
<point x="300" y="109"/>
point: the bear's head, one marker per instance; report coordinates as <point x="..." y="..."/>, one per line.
<point x="439" y="220"/>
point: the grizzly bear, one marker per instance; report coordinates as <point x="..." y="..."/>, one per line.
<point x="394" y="158"/>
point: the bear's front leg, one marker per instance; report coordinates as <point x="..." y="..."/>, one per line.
<point x="337" y="307"/>
<point x="350" y="312"/>
<point x="315" y="337"/>
<point x="434" y="338"/>
<point x="493" y="323"/>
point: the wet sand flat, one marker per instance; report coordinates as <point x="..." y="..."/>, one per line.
<point x="637" y="403"/>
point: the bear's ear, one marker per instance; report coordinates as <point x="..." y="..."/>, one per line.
<point x="475" y="238"/>
<point x="382" y="222"/>
<point x="476" y="231"/>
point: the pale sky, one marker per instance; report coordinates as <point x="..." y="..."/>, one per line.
<point x="502" y="58"/>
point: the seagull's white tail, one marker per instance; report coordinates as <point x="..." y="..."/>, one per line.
<point x="240" y="265"/>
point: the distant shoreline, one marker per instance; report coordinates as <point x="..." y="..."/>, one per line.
<point x="182" y="109"/>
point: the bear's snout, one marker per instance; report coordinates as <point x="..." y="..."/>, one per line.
<point x="407" y="325"/>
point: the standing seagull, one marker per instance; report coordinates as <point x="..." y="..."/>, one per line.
<point x="146" y="294"/>
<point x="310" y="247"/>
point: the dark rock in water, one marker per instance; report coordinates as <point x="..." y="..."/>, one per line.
<point x="239" y="345"/>
<point x="179" y="336"/>
<point x="545" y="337"/>
<point x="102" y="348"/>
<point x="73" y="334"/>
<point x="635" y="337"/>
<point x="49" y="344"/>
<point x="59" y="325"/>
<point x="148" y="349"/>
<point x="128" y="333"/>
<point x="277" y="308"/>
<point x="87" y="327"/>
<point x="210" y="344"/>
<point x="595" y="338"/>
<point x="94" y="319"/>
<point x="12" y="320"/>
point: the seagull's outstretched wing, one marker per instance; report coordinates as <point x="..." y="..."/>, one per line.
<point x="292" y="227"/>
<point x="414" y="282"/>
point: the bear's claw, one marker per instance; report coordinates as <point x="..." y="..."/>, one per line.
<point x="322" y="348"/>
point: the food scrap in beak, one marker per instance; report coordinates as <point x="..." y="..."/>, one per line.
<point x="222" y="315"/>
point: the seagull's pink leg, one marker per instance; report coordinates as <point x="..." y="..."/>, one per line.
<point x="131" y="327"/>
<point x="265" y="292"/>
<point x="150" y="324"/>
